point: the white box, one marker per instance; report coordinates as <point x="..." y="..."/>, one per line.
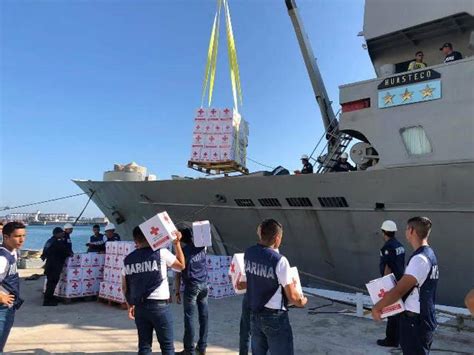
<point x="89" y="287"/>
<point x="70" y="289"/>
<point x="128" y="248"/>
<point x="202" y="234"/>
<point x="71" y="274"/>
<point x="86" y="259"/>
<point x="201" y="112"/>
<point x="109" y="259"/>
<point x="98" y="259"/>
<point x="108" y="248"/>
<point x="113" y="247"/>
<point x="237" y="272"/>
<point x="377" y="289"/>
<point x="107" y="272"/>
<point x="159" y="230"/>
<point x="73" y="261"/>
<point x="103" y="289"/>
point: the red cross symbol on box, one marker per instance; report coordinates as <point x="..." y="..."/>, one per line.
<point x="195" y="153"/>
<point x="154" y="230"/>
<point x="74" y="286"/>
<point x="208" y="128"/>
<point x="382" y="293"/>
<point x="75" y="272"/>
<point x="103" y="286"/>
<point x="225" y="138"/>
<point x="232" y="268"/>
<point x="198" y="127"/>
<point x="89" y="271"/>
<point x="201" y="111"/>
<point x="198" y="138"/>
<point x="215" y="154"/>
<point x="217" y="128"/>
<point x="205" y="154"/>
<point x="226" y="111"/>
<point x="225" y="155"/>
<point x="89" y="285"/>
<point x="211" y="138"/>
<point x="111" y="288"/>
<point x="213" y="111"/>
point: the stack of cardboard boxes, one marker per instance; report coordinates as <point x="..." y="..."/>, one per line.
<point x="219" y="136"/>
<point x="219" y="283"/>
<point x="111" y="286"/>
<point x="81" y="276"/>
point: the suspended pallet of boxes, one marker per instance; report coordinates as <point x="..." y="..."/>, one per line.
<point x="220" y="135"/>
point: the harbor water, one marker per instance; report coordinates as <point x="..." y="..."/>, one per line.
<point x="38" y="235"/>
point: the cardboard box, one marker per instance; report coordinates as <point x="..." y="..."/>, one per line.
<point x="128" y="248"/>
<point x="237" y="272"/>
<point x="377" y="289"/>
<point x="159" y="230"/>
<point x="202" y="234"/>
<point x="98" y="259"/>
<point x="73" y="261"/>
<point x="71" y="274"/>
<point x="86" y="259"/>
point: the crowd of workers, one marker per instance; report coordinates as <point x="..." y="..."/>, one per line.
<point x="270" y="291"/>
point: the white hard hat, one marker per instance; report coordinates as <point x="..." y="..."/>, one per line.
<point x="109" y="227"/>
<point x="389" y="226"/>
<point x="68" y="226"/>
<point x="304" y="156"/>
<point x="344" y="155"/>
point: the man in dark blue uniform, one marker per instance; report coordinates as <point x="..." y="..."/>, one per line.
<point x="14" y="235"/>
<point x="68" y="228"/>
<point x="418" y="289"/>
<point x="146" y="289"/>
<point x="96" y="241"/>
<point x="195" y="294"/>
<point x="270" y="289"/>
<point x="55" y="255"/>
<point x="392" y="260"/>
<point x="110" y="233"/>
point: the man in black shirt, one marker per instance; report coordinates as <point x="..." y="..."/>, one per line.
<point x="392" y="260"/>
<point x="450" y="54"/>
<point x="342" y="164"/>
<point x="307" y="166"/>
<point x="97" y="241"/>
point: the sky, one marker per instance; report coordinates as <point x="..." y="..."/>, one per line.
<point x="86" y="84"/>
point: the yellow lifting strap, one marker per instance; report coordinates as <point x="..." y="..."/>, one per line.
<point x="210" y="72"/>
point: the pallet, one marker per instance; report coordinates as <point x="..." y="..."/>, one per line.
<point x="218" y="168"/>
<point x="112" y="303"/>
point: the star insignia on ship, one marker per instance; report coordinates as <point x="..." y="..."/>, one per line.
<point x="388" y="99"/>
<point x="406" y="96"/>
<point x="427" y="91"/>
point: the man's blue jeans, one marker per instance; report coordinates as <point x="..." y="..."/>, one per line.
<point x="7" y="317"/>
<point x="244" y="333"/>
<point x="195" y="296"/>
<point x="154" y="315"/>
<point x="271" y="330"/>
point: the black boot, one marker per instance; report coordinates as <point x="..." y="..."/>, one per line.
<point x="387" y="343"/>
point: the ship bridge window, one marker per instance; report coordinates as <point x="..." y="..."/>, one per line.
<point x="244" y="202"/>
<point x="416" y="141"/>
<point x="299" y="202"/>
<point x="269" y="202"/>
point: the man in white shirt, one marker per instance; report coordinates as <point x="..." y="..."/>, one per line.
<point x="270" y="289"/>
<point x="145" y="286"/>
<point x="14" y="234"/>
<point x="418" y="289"/>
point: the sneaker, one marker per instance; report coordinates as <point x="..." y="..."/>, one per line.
<point x="385" y="342"/>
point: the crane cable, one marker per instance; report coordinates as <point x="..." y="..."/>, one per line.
<point x="42" y="202"/>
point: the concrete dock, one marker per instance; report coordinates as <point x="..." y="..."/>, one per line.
<point x="97" y="328"/>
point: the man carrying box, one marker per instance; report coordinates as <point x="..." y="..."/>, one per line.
<point x="269" y="289"/>
<point x="145" y="286"/>
<point x="392" y="260"/>
<point x="195" y="294"/>
<point x="418" y="288"/>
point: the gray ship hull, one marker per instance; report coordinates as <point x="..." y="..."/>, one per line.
<point x="320" y="238"/>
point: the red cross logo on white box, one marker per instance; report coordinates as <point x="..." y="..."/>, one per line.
<point x="213" y="111"/>
<point x="201" y="111"/>
<point x="232" y="268"/>
<point x="382" y="293"/>
<point x="89" y="271"/>
<point x="154" y="230"/>
<point x="226" y="111"/>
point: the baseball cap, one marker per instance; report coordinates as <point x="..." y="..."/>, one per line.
<point x="446" y="45"/>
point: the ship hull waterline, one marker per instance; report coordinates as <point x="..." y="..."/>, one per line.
<point x="337" y="243"/>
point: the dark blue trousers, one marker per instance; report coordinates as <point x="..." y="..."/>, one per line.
<point x="195" y="297"/>
<point x="244" y="333"/>
<point x="7" y="317"/>
<point x="415" y="337"/>
<point x="154" y="315"/>
<point x="271" y="331"/>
